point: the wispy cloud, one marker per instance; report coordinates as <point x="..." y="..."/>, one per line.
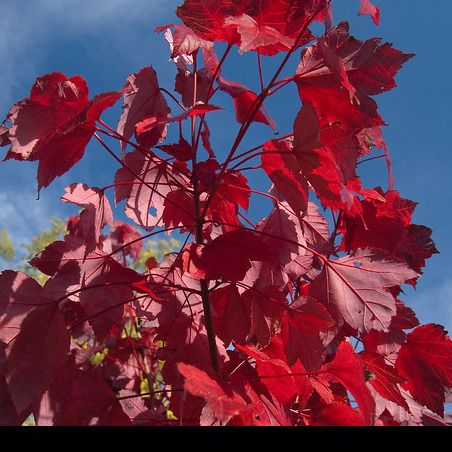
<point x="26" y="26"/>
<point x="30" y="30"/>
<point x="23" y="216"/>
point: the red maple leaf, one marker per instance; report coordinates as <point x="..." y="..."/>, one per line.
<point x="426" y="362"/>
<point x="54" y="124"/>
<point x="268" y="26"/>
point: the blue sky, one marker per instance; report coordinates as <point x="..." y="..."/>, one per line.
<point x="106" y="40"/>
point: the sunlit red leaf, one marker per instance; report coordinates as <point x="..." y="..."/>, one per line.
<point x="142" y="99"/>
<point x="347" y="370"/>
<point x="358" y="287"/>
<point x="271" y="26"/>
<point x="54" y="124"/>
<point x="96" y="214"/>
<point x="368" y="8"/>
<point x="245" y="101"/>
<point x="224" y="402"/>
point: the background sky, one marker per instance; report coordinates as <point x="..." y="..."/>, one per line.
<point x="106" y="40"/>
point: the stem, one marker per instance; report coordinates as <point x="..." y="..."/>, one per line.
<point x="259" y="65"/>
<point x="255" y="109"/>
<point x="195" y="95"/>
<point x="151" y="187"/>
<point x="371" y="158"/>
<point x="204" y="292"/>
<point x="170" y="94"/>
<point x="211" y="92"/>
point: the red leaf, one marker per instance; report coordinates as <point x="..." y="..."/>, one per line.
<point x="327" y="128"/>
<point x="143" y="99"/>
<point x="102" y="286"/>
<point x="36" y="336"/>
<point x="182" y="150"/>
<point x="358" y="287"/>
<point x="426" y="362"/>
<point x="384" y="378"/>
<point x="381" y="224"/>
<point x="385" y="224"/>
<point x="338" y="414"/>
<point x="230" y="315"/>
<point x="224" y="402"/>
<point x="276" y="375"/>
<point x="97" y="212"/>
<point x="370" y="67"/>
<point x="244" y="103"/>
<point x="229" y="255"/>
<point x="268" y="26"/>
<point x="179" y="209"/>
<point x="185" y="40"/>
<point x="283" y="169"/>
<point x="79" y="397"/>
<point x="315" y="227"/>
<point x="150" y="123"/>
<point x="300" y="328"/>
<point x="368" y="8"/>
<point x="185" y="82"/>
<point x="282" y="232"/>
<point x="234" y="187"/>
<point x="347" y="370"/>
<point x="267" y="40"/>
<point x="121" y="234"/>
<point x="54" y="124"/>
<point x="157" y="179"/>
<point x="266" y="305"/>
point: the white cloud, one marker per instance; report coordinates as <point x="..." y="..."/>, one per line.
<point x="22" y="215"/>
<point x="29" y="27"/>
<point x="87" y="14"/>
<point x="29" y="30"/>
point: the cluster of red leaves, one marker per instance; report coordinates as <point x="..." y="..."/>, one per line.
<point x="248" y="324"/>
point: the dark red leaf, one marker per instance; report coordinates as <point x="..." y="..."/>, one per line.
<point x="182" y="150"/>
<point x="185" y="82"/>
<point x="179" y="209"/>
<point x="143" y="99"/>
<point x="224" y="402"/>
<point x="36" y="337"/>
<point x="230" y="315"/>
<point x="282" y="167"/>
<point x="300" y="329"/>
<point x="426" y="362"/>
<point x="229" y="255"/>
<point x="79" y="397"/>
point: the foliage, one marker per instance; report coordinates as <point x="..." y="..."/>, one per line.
<point x="6" y="246"/>
<point x="245" y="324"/>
